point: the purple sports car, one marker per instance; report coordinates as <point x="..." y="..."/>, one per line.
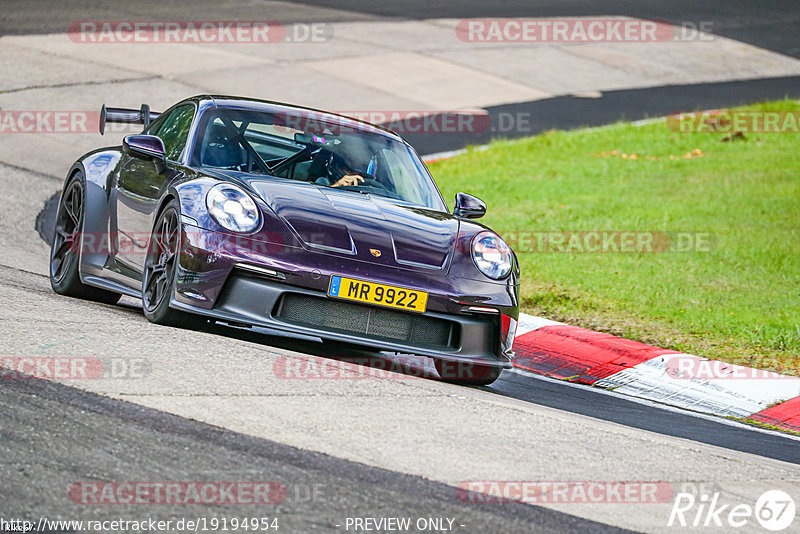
<point x="260" y="214"/>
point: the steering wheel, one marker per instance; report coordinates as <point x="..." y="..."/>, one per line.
<point x="371" y="182"/>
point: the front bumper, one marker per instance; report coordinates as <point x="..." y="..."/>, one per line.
<point x="289" y="294"/>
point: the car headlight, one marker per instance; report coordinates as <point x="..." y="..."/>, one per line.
<point x="232" y="208"/>
<point x="492" y="255"/>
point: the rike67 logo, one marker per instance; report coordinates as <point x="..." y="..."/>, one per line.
<point x="774" y="510"/>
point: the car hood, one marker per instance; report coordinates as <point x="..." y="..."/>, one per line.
<point x="363" y="226"/>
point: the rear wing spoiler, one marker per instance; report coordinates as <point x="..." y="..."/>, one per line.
<point x="130" y="116"/>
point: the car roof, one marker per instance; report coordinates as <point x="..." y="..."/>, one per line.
<point x="269" y="106"/>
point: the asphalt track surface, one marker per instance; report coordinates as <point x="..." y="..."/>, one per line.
<point x="46" y="429"/>
<point x="569" y="112"/>
<point x="646" y="416"/>
<point x="772" y="25"/>
<point x="90" y="436"/>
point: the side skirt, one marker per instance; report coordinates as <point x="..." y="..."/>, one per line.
<point x="102" y="283"/>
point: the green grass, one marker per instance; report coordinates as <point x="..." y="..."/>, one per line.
<point x="738" y="301"/>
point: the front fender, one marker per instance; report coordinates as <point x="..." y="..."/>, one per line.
<point x="192" y="196"/>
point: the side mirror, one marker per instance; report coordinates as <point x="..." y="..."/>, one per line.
<point x="469" y="207"/>
<point x="148" y="147"/>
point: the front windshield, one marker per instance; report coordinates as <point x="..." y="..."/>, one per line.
<point x="315" y="148"/>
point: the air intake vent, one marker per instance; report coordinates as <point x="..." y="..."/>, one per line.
<point x="367" y="321"/>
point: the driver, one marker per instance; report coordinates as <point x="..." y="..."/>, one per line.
<point x="326" y="166"/>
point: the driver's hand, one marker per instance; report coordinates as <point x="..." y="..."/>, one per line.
<point x="348" y="179"/>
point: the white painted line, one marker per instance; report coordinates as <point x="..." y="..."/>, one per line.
<point x="692" y="383"/>
<point x="430" y="158"/>
<point x="529" y="323"/>
<point x="654" y="404"/>
<point x="720" y="393"/>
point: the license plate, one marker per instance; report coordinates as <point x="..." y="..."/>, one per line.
<point x="378" y="294"/>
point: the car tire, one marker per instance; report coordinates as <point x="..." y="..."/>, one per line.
<point x="466" y="373"/>
<point x="158" y="280"/>
<point x="65" y="255"/>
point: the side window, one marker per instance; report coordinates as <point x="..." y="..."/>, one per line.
<point x="154" y="126"/>
<point x="174" y="130"/>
